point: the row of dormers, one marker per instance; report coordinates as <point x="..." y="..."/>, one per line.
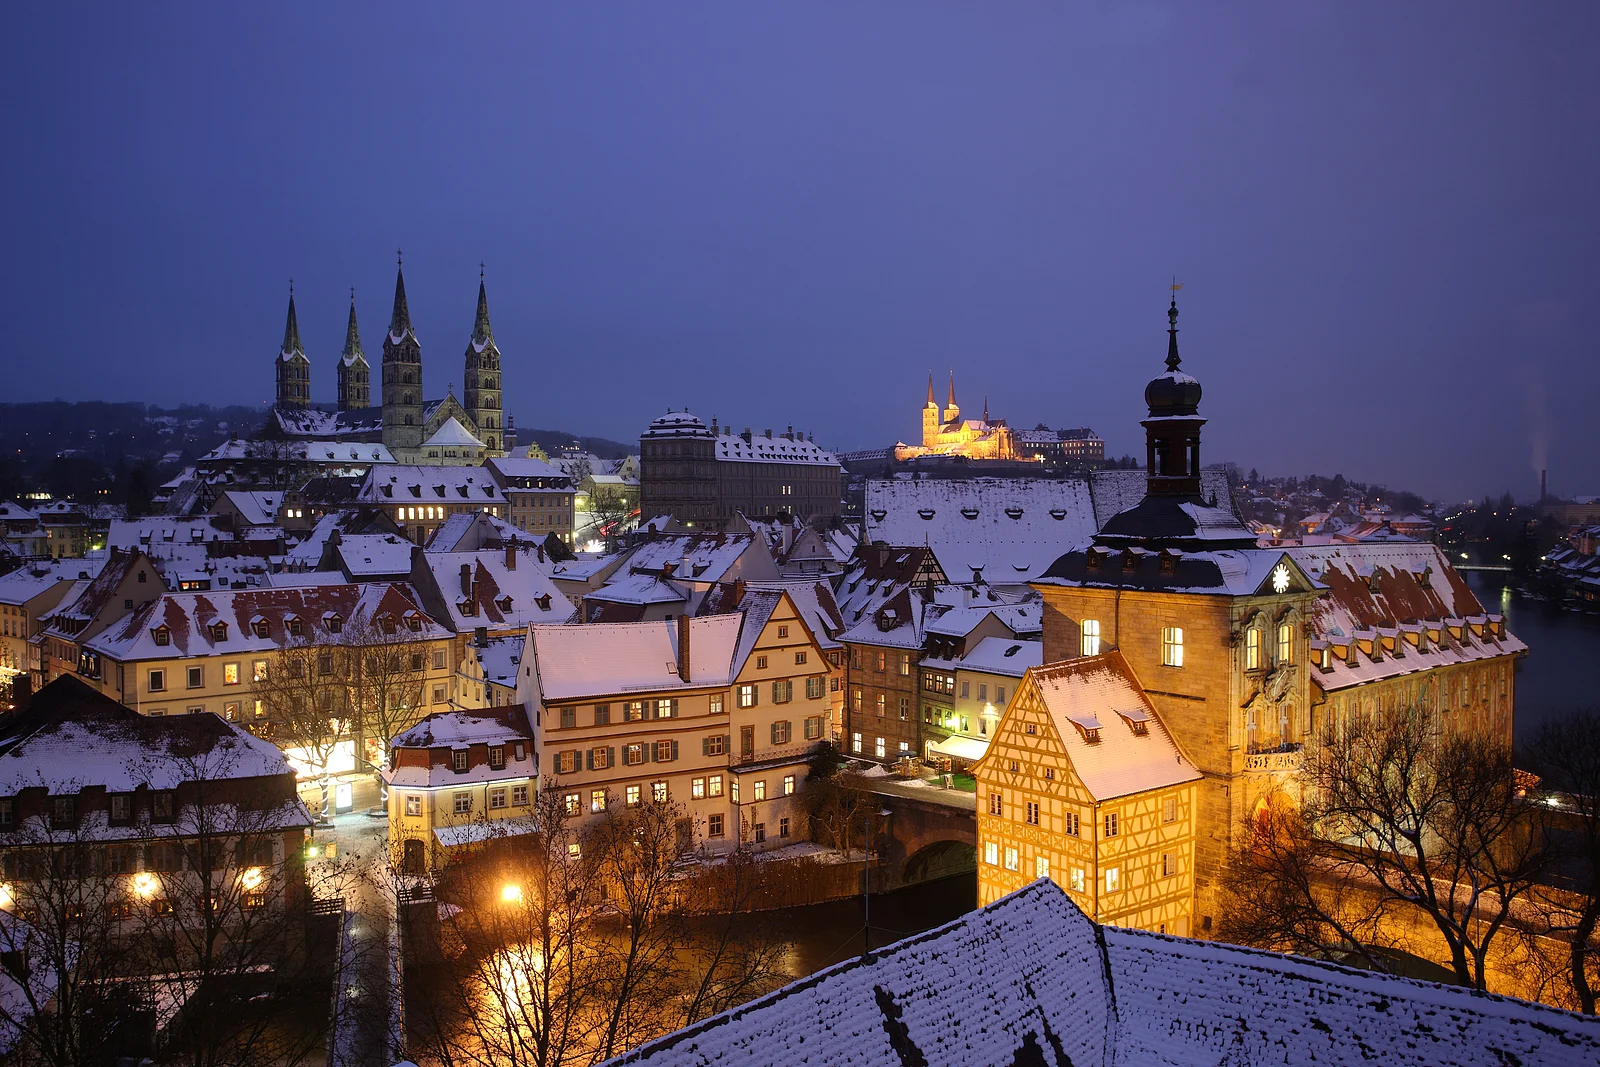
<point x="294" y="626"/>
<point x="1395" y="642"/>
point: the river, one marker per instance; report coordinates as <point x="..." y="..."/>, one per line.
<point x="1559" y="672"/>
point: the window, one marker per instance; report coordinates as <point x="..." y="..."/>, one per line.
<point x="883" y="661"/>
<point x="1041" y="867"/>
<point x="782" y="731"/>
<point x="519" y="796"/>
<point x="716" y="744"/>
<point x="1252" y="649"/>
<point x="602" y="714"/>
<point x="462" y="803"/>
<point x="8" y="811"/>
<point x="666" y="751"/>
<point x="1169" y="810"/>
<point x="1111" y="824"/>
<point x="158" y="681"/>
<point x="747" y="696"/>
<point x="1070" y="824"/>
<point x="1075" y="880"/>
<point x="497" y="757"/>
<point x="991" y="853"/>
<point x="633" y="754"/>
<point x="458" y="760"/>
<point x="573" y="803"/>
<point x="1285" y="643"/>
<point x="999" y="694"/>
<point x="882" y="700"/>
<point x="1113" y="879"/>
<point x="813" y="727"/>
<point x="788" y="785"/>
<point x="996" y="805"/>
<point x="121" y="807"/>
<point x="1031" y="816"/>
<point x="633" y="794"/>
<point x="599" y="758"/>
<point x="1172" y="646"/>
<point x="716" y="703"/>
<point x="783" y="826"/>
<point x="1089" y="640"/>
<point x="63" y="812"/>
<point x="759" y="792"/>
<point x="966" y="689"/>
<point x="438" y="659"/>
<point x="1168" y="868"/>
<point x="597" y="800"/>
<point x="733" y="790"/>
<point x="497" y="797"/>
<point x="983" y="691"/>
<point x="325" y="663"/>
<point x="258" y="671"/>
<point x="855" y="743"/>
<point x="566" y="762"/>
<point x="714" y="826"/>
<point x="782" y="691"/>
<point x="574" y="850"/>
<point x="783" y="631"/>
<point x="714" y="785"/>
<point x="230" y="674"/>
<point x="879" y="748"/>
<point x="697" y="789"/>
<point x="905" y="708"/>
<point x="438" y="694"/>
<point x="230" y="711"/>
<point x="799" y="659"/>
<point x="413" y="805"/>
<point x="1012" y="862"/>
<point x="197" y="709"/>
<point x="569" y="718"/>
<point x="658" y="792"/>
<point x="666" y="709"/>
<point x="633" y="711"/>
<point x="905" y="664"/>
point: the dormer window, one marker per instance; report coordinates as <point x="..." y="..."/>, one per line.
<point x="162" y="635"/>
<point x="219" y="631"/>
<point x="294" y="625"/>
<point x="543" y="601"/>
<point x="504" y="603"/>
<point x="458" y="760"/>
<point x="333" y="622"/>
<point x="414" y="622"/>
<point x="1130" y="560"/>
<point x="386" y="623"/>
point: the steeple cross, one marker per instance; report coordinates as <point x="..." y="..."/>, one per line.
<point x="480" y="270"/>
<point x="399" y="258"/>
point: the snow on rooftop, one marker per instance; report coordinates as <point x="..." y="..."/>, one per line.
<point x="608" y="659"/>
<point x="449" y="483"/>
<point x="374" y="555"/>
<point x="452" y="435"/>
<point x="1002" y="655"/>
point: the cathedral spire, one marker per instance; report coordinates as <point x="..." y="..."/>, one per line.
<point x="400" y="321"/>
<point x="291" y="329"/>
<point x="352" y="335"/>
<point x="481" y="331"/>
<point x="931" y="402"/>
<point x="952" y="401"/>
<point x="985" y="407"/>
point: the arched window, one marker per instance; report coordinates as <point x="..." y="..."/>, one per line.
<point x="1252" y="649"/>
<point x="1285" y="643"/>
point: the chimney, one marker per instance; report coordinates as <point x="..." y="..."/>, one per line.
<point x="466" y="579"/>
<point x="683" y="647"/>
<point x="480" y="636"/>
<point x="738" y="591"/>
<point x="540" y="545"/>
<point x="769" y="435"/>
<point x="511" y="555"/>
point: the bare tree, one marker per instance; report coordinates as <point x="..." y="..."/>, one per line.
<point x="1401" y="817"/>
<point x="1565" y="752"/>
<point x="609" y="507"/>
<point x="840" y="805"/>
<point x="385" y="675"/>
<point x="305" y="697"/>
<point x="739" y="951"/>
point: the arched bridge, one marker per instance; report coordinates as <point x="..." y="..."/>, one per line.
<point x="931" y="832"/>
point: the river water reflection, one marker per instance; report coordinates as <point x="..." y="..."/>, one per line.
<point x="825" y="934"/>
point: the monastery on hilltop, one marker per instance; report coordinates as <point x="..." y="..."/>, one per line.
<point x="415" y="430"/>
<point x="947" y="434"/>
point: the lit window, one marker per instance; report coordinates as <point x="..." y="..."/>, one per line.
<point x="1041" y="867"/>
<point x="633" y="796"/>
<point x="991" y="853"/>
<point x="413" y="805"/>
<point x="230" y="674"/>
<point x="597" y="800"/>
<point x="880" y="748"/>
<point x="1075" y="880"/>
<point x="714" y="785"/>
<point x="697" y="788"/>
<point x="760" y="790"/>
<point x="574" y="850"/>
<point x="747" y="696"/>
<point x="1089" y="642"/>
<point x="1285" y="643"/>
<point x="1252" y="649"/>
<point x="788" y="785"/>
<point x="1113" y="879"/>
<point x="1012" y="863"/>
<point x="658" y="792"/>
<point x="855" y="743"/>
<point x="1111" y="824"/>
<point x="1172" y="646"/>
<point x="573" y="803"/>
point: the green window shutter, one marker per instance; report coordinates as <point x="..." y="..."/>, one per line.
<point x="648" y="751"/>
<point x="674" y="750"/>
<point x="674" y="707"/>
<point x="774" y="733"/>
<point x="611" y="756"/>
<point x="588" y="759"/>
<point x="705" y="746"/>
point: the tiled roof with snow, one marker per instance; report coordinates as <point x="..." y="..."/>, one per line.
<point x="897" y="623"/>
<point x="396" y="483"/>
<point x="524" y="467"/>
<point x="337" y="453"/>
<point x="374" y="555"/>
<point x="1031" y="980"/>
<point x="501" y="657"/>
<point x="608" y="659"/>
<point x="457" y="729"/>
<point x="1118" y="490"/>
<point x="695" y="558"/>
<point x="11" y="511"/>
<point x="28" y="581"/>
<point x="1002" y="655"/>
<point x="1009" y="529"/>
<point x="451" y="434"/>
<point x="639" y="589"/>
<point x="1226" y="572"/>
<point x="500" y="597"/>
<point x="815" y="602"/>
<point x="258" y="507"/>
<point x="308" y="422"/>
<point x="156" y="531"/>
<point x="733" y="448"/>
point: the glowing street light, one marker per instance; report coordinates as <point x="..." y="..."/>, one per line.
<point x="7" y="898"/>
<point x="144" y="884"/>
<point x="251" y="878"/>
<point x="511" y="894"/>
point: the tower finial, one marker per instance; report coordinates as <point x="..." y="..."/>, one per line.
<point x="480" y="271"/>
<point x="352" y="298"/>
<point x="399" y="258"/>
<point x="1172" y="327"/>
<point x="291" y="288"/>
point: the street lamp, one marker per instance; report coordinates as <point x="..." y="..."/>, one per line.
<point x="510" y="893"/>
<point x="866" y="888"/>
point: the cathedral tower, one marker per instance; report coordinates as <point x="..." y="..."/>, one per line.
<point x="930" y="417"/>
<point x="402" y="377"/>
<point x="293" y="369"/>
<point x="952" y="413"/>
<point x="480" y="393"/>
<point x="355" y="376"/>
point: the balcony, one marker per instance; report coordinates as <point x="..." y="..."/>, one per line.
<point x="1273" y="758"/>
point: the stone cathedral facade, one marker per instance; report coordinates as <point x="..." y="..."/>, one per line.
<point x="413" y="428"/>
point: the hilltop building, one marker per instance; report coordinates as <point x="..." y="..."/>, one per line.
<point x="945" y="433"/>
<point x="413" y="429"/>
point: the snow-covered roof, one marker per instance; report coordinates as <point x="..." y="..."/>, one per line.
<point x="1031" y="980"/>
<point x="1008" y="530"/>
<point x="258" y="507"/>
<point x="11" y="511"/>
<point x="1087" y="699"/>
<point x="374" y="555"/>
<point x="458" y="729"/>
<point x="500" y="658"/>
<point x="640" y="589"/>
<point x="814" y="601"/>
<point x="1226" y="572"/>
<point x="469" y="531"/>
<point x="189" y="620"/>
<point x="733" y="448"/>
<point x="451" y="434"/>
<point x="1118" y="490"/>
<point x="897" y="623"/>
<point x="28" y="581"/>
<point x="522" y="467"/>
<point x="608" y="659"/>
<point x="701" y="558"/>
<point x="1001" y="655"/>
<point x="309" y="422"/>
<point x="154" y="533"/>
<point x="336" y="453"/>
<point x="449" y="483"/>
<point x="501" y="597"/>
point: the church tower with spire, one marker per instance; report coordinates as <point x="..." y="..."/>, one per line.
<point x="355" y="376"/>
<point x="480" y="393"/>
<point x="952" y="413"/>
<point x="402" y="378"/>
<point x="930" y="417"/>
<point x="293" y="368"/>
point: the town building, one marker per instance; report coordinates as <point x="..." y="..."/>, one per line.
<point x="709" y="476"/>
<point x="1031" y="980"/>
<point x="717" y="713"/>
<point x="1246" y="652"/>
<point x="406" y="424"/>
<point x="420" y="498"/>
<point x="25" y="538"/>
<point x="945" y="433"/>
<point x="670" y="575"/>
<point x="456" y="780"/>
<point x="1082" y="784"/>
<point x="1076" y="449"/>
<point x="27" y="595"/>
<point x="985" y="675"/>
<point x="539" y="497"/>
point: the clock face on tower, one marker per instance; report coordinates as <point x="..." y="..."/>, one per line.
<point x="1280" y="578"/>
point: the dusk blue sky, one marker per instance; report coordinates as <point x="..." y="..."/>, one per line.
<point x="1385" y="215"/>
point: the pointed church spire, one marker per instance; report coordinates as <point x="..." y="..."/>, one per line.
<point x="952" y="401"/>
<point x="352" y="335"/>
<point x="291" y="328"/>
<point x="481" y="332"/>
<point x="931" y="402"/>
<point x="400" y="321"/>
<point x="985" y="407"/>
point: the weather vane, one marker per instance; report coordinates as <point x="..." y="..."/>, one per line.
<point x="399" y="258"/>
